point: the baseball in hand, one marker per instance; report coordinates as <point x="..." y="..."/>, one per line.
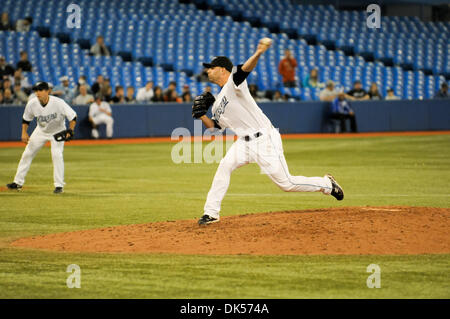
<point x="266" y="41"/>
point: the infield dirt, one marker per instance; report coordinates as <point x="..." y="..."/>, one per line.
<point x="390" y="230"/>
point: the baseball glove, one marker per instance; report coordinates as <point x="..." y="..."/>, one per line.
<point x="202" y="103"/>
<point x="65" y="135"/>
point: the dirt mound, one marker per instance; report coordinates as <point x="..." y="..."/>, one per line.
<point x="333" y="231"/>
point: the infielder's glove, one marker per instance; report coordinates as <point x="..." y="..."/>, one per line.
<point x="202" y="103"/>
<point x="65" y="135"/>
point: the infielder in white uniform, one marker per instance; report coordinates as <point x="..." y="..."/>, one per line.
<point x="50" y="113"/>
<point x="258" y="141"/>
<point x="100" y="113"/>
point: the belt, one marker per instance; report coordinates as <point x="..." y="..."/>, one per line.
<point x="248" y="138"/>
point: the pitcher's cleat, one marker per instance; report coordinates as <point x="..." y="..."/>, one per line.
<point x="58" y="190"/>
<point x="337" y="191"/>
<point x="14" y="186"/>
<point x="206" y="219"/>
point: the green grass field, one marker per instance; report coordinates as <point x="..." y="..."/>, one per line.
<point x="127" y="184"/>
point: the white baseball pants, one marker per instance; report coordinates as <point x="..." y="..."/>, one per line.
<point x="36" y="142"/>
<point x="267" y="152"/>
<point x="103" y="119"/>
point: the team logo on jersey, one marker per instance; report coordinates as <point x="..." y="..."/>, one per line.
<point x="42" y="120"/>
<point x="221" y="108"/>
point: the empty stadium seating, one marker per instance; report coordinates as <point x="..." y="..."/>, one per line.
<point x="168" y="40"/>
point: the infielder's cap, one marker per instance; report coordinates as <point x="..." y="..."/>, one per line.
<point x="41" y="86"/>
<point x="221" y="61"/>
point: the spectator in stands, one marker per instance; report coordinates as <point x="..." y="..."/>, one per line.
<point x="391" y="95"/>
<point x="23" y="63"/>
<point x="329" y="93"/>
<point x="158" y="95"/>
<point x="119" y="97"/>
<point x="130" y="95"/>
<point x="145" y="94"/>
<point x="278" y="97"/>
<point x="374" y="94"/>
<point x="287" y="68"/>
<point x="18" y="77"/>
<point x="341" y="110"/>
<point x="168" y="95"/>
<point x="99" y="85"/>
<point x="174" y="97"/>
<point x="24" y="25"/>
<point x="107" y="94"/>
<point x="82" y="81"/>
<point x="1" y="97"/>
<point x="21" y="96"/>
<point x="203" y="76"/>
<point x="63" y="90"/>
<point x="312" y="80"/>
<point x="443" y="92"/>
<point x="8" y="96"/>
<point x="100" y="113"/>
<point x="357" y="93"/>
<point x="99" y="48"/>
<point x="5" y="68"/>
<point x="83" y="97"/>
<point x="5" y="24"/>
<point x="253" y="89"/>
<point x="186" y="94"/>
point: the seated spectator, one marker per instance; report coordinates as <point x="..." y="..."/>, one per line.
<point x="168" y="95"/>
<point x="107" y="93"/>
<point x="312" y="80"/>
<point x="99" y="48"/>
<point x="130" y="95"/>
<point x="24" y="25"/>
<point x="99" y="85"/>
<point x="8" y="97"/>
<point x="158" y="95"/>
<point x="286" y="68"/>
<point x="145" y="94"/>
<point x="329" y="93"/>
<point x="63" y="90"/>
<point x="357" y="93"/>
<point x="443" y="92"/>
<point x="391" y="96"/>
<point x="21" y="96"/>
<point x="18" y="77"/>
<point x="119" y="97"/>
<point x="5" y="68"/>
<point x="174" y="97"/>
<point x="342" y="111"/>
<point x="278" y="97"/>
<point x="6" y="84"/>
<point x="83" y="97"/>
<point x="374" y="94"/>
<point x="23" y="63"/>
<point x="186" y="94"/>
<point x="82" y="81"/>
<point x="100" y="113"/>
<point x="5" y="24"/>
<point x="202" y="77"/>
<point x="1" y="97"/>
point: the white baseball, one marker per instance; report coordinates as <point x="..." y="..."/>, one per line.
<point x="266" y="41"/>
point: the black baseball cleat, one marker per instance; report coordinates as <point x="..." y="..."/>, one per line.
<point x="337" y="191"/>
<point x="14" y="186"/>
<point x="206" y="219"/>
<point x="58" y="190"/>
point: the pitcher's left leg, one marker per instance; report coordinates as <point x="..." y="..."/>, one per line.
<point x="58" y="163"/>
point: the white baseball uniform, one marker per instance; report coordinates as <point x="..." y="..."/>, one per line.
<point x="258" y="141"/>
<point x="99" y="117"/>
<point x="50" y="120"/>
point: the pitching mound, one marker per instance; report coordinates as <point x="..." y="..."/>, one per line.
<point x="334" y="231"/>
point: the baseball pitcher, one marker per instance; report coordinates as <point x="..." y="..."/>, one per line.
<point x="50" y="113"/>
<point x="258" y="141"/>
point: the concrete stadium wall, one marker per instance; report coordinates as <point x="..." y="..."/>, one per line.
<point x="134" y="120"/>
